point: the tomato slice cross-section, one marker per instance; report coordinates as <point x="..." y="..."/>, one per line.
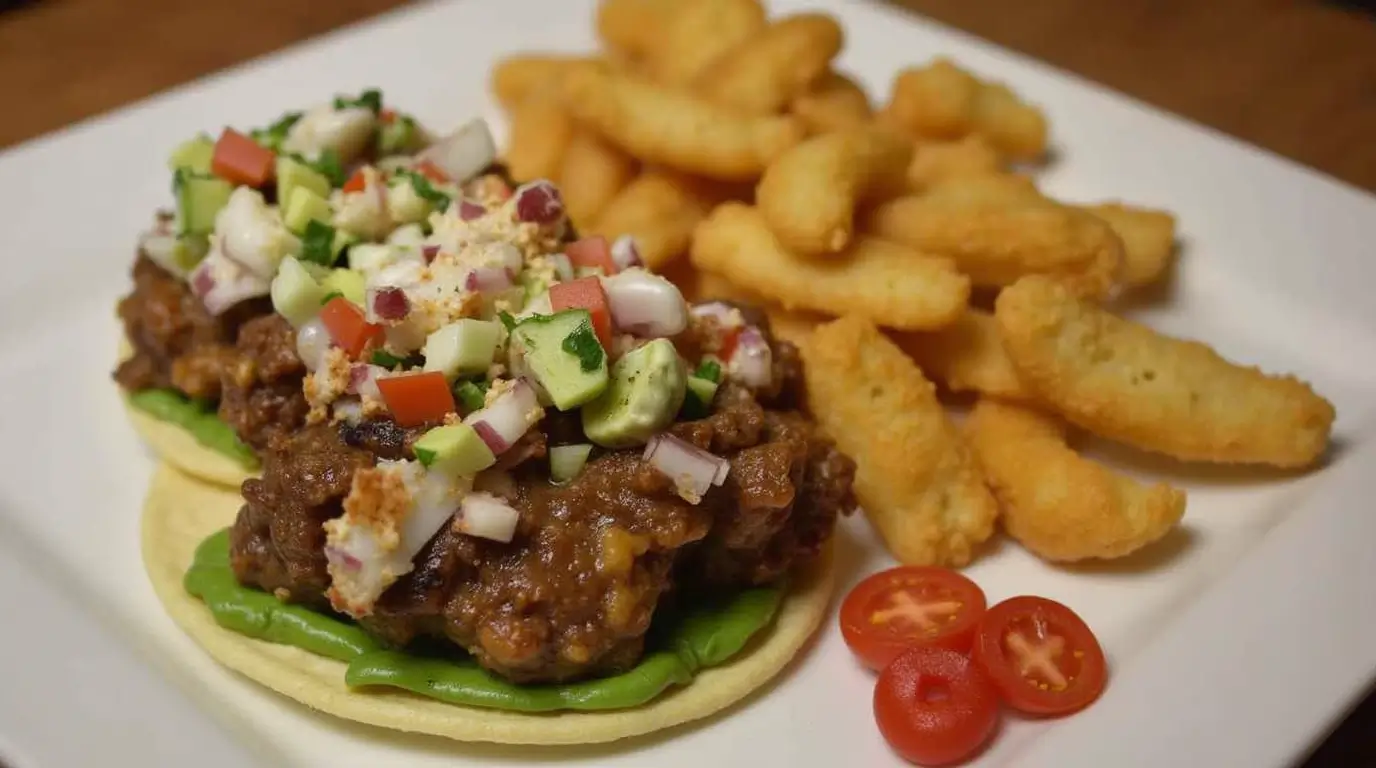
<point x="1042" y="657"/>
<point x="901" y="608"/>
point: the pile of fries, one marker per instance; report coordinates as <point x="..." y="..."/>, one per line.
<point x="899" y="249"/>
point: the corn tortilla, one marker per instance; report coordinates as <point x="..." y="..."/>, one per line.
<point x="180" y="512"/>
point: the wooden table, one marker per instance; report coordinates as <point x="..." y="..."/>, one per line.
<point x="1296" y="76"/>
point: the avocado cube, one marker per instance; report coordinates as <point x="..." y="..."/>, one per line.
<point x="199" y="201"/>
<point x="455" y="450"/>
<point x="193" y="155"/>
<point x="646" y="391"/>
<point x="346" y="282"/>
<point x="293" y="175"/>
<point x="303" y="207"/>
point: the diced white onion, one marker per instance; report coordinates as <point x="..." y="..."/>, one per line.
<point x="251" y="234"/>
<point x="346" y="131"/>
<point x="486" y="516"/>
<point x="645" y="305"/>
<point x="692" y="470"/>
<point x="312" y="343"/>
<point x="625" y="253"/>
<point x="488" y="279"/>
<point x="752" y="362"/>
<point x="363" y="380"/>
<point x="509" y="417"/>
<point x="723" y="313"/>
<point x="463" y="153"/>
<point x="220" y="283"/>
<point x="563" y="268"/>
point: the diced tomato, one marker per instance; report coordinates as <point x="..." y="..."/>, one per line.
<point x="432" y="172"/>
<point x="585" y="293"/>
<point x="727" y="346"/>
<point x="387" y="116"/>
<point x="935" y="706"/>
<point x="592" y="252"/>
<point x="348" y="327"/>
<point x="357" y="182"/>
<point x="1042" y="657"/>
<point x="417" y="398"/>
<point x="241" y="160"/>
<point x="902" y="608"/>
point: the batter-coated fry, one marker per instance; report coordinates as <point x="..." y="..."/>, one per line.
<point x="937" y="161"/>
<point x="1148" y="239"/>
<point x="944" y="102"/>
<point x="540" y="132"/>
<point x="591" y="174"/>
<point x="917" y="480"/>
<point x="761" y="75"/>
<point x="662" y="126"/>
<point x="659" y="210"/>
<point x="886" y="282"/>
<point x="1058" y="504"/>
<point x="809" y="195"/>
<point x="1129" y="383"/>
<point x="518" y="77"/>
<point x="967" y="356"/>
<point x="835" y="102"/>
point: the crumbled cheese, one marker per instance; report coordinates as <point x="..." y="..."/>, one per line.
<point x="496" y="389"/>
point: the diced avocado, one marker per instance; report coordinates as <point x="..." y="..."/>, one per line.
<point x="566" y="461"/>
<point x="293" y="175"/>
<point x="295" y="294"/>
<point x="193" y="155"/>
<point x="305" y="206"/>
<point x="199" y="201"/>
<point x="399" y="137"/>
<point x="646" y="392"/>
<point x="697" y="402"/>
<point x="563" y="353"/>
<point x="462" y="348"/>
<point x="454" y="449"/>
<point x="347" y="282"/>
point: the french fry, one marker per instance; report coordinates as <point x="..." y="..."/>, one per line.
<point x="967" y="356"/>
<point x="1126" y="382"/>
<point x="665" y="127"/>
<point x="996" y="241"/>
<point x="1056" y="503"/>
<point x="659" y="210"/>
<point x="944" y="102"/>
<point x="1148" y="239"/>
<point x="835" y="102"/>
<point x="699" y="33"/>
<point x="809" y="195"/>
<point x="1016" y="129"/>
<point x="591" y="174"/>
<point x="629" y="28"/>
<point x="516" y="78"/>
<point x="917" y="480"/>
<point x="761" y="75"/>
<point x="540" y="133"/>
<point x="938" y="161"/>
<point x="883" y="281"/>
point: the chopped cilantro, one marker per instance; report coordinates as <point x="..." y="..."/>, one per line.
<point x="371" y="98"/>
<point x="472" y="395"/>
<point x="425" y="456"/>
<point x="328" y="165"/>
<point x="386" y="359"/>
<point x="397" y="137"/>
<point x="507" y="320"/>
<point x="273" y="135"/>
<point x="423" y="188"/>
<point x="710" y="370"/>
<point x="332" y="295"/>
<point x="582" y="343"/>
<point x="317" y="244"/>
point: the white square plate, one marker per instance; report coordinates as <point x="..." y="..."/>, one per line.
<point x="1234" y="643"/>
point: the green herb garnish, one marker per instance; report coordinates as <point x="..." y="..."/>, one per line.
<point x="370" y="98"/>
<point x="425" y="456"/>
<point x="710" y="370"/>
<point x="582" y="343"/>
<point x="317" y="244"/>
<point x="507" y="320"/>
<point x="472" y="395"/>
<point x="331" y="296"/>
<point x="273" y="135"/>
<point x="386" y="359"/>
<point x="424" y="188"/>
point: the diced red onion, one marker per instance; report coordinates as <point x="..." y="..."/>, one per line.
<point x="692" y="470"/>
<point x="625" y="253"/>
<point x="563" y="268"/>
<point x="488" y="279"/>
<point x="752" y="362"/>
<point x="539" y="201"/>
<point x="463" y="153"/>
<point x="722" y="312"/>
<point x="645" y="305"/>
<point x="469" y="210"/>
<point x="339" y="558"/>
<point x="509" y="417"/>
<point x="221" y="283"/>
<point x="387" y="304"/>
<point x="312" y="342"/>
<point x="488" y="517"/>
<point x="430" y="252"/>
<point x="363" y="380"/>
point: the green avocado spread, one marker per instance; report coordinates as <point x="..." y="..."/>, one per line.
<point x="707" y="634"/>
<point x="196" y="417"/>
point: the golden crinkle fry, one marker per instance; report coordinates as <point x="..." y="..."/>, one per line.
<point x="590" y="175"/>
<point x="659" y="210"/>
<point x="1126" y="382"/>
<point x="944" y="102"/>
<point x="835" y="102"/>
<point x="1058" y="504"/>
<point x="674" y="41"/>
<point x="540" y="133"/>
<point x="967" y="356"/>
<point x="917" y="480"/>
<point x="763" y="75"/>
<point x="809" y="195"/>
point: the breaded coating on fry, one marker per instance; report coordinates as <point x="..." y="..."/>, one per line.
<point x="809" y="195"/>
<point x="937" y="161"/>
<point x="1060" y="505"/>
<point x="540" y="132"/>
<point x="1016" y="129"/>
<point x="591" y="174"/>
<point x="998" y="241"/>
<point x="888" y="283"/>
<point x="1126" y="382"/>
<point x="917" y="480"/>
<point x="763" y="74"/>
<point x="835" y="102"/>
<point x="663" y="126"/>
<point x="941" y="101"/>
<point x="1148" y="237"/>
<point x="518" y="77"/>
<point x="697" y="34"/>
<point x="632" y="27"/>
<point x="967" y="356"/>
<point x="659" y="210"/>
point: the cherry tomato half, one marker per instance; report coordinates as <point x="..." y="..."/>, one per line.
<point x="1041" y="656"/>
<point x="901" y="608"/>
<point x="935" y="706"/>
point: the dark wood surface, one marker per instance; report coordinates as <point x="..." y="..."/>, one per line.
<point x="1295" y="76"/>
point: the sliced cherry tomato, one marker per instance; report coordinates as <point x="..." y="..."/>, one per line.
<point x="935" y="706"/>
<point x="417" y="398"/>
<point x="901" y="608"/>
<point x="592" y="252"/>
<point x="357" y="182"/>
<point x="1044" y="659"/>
<point x="585" y="293"/>
<point x="387" y="116"/>
<point x="432" y="172"/>
<point x="348" y="327"/>
<point x="241" y="160"/>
